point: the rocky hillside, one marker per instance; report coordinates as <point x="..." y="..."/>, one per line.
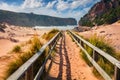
<point x="103" y="12"/>
<point x="25" y="19"/>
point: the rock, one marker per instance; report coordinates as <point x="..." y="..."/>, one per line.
<point x="2" y="30"/>
<point x="13" y="40"/>
<point x="82" y="29"/>
<point x="102" y="31"/>
<point x="97" y="12"/>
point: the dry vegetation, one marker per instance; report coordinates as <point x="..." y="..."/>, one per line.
<point x="101" y="43"/>
<point x="23" y="55"/>
<point x="21" y="58"/>
<point x="50" y="34"/>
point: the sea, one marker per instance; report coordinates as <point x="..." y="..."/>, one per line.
<point x="69" y="27"/>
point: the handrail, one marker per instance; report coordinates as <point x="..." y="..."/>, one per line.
<point x="80" y="41"/>
<point x="21" y="70"/>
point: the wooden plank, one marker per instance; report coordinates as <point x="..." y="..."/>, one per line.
<point x="117" y="73"/>
<point x="29" y="73"/>
<point x="39" y="73"/>
<point x="21" y="71"/>
<point x="95" y="55"/>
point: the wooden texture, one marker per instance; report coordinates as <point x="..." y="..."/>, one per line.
<point x="27" y="65"/>
<point x="93" y="60"/>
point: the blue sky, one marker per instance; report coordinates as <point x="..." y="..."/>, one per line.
<point x="58" y="8"/>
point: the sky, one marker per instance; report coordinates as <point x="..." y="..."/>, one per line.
<point x="58" y="8"/>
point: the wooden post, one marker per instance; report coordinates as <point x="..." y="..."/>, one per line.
<point x="95" y="55"/>
<point x="29" y="73"/>
<point x="78" y="40"/>
<point x="117" y="73"/>
<point x="82" y="44"/>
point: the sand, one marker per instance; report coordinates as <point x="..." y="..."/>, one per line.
<point x="16" y="35"/>
<point x="68" y="64"/>
<point x="110" y="32"/>
<point x="13" y="35"/>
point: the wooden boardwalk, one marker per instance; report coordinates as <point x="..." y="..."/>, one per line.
<point x="67" y="64"/>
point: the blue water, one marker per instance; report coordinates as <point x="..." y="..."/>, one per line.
<point x="55" y="27"/>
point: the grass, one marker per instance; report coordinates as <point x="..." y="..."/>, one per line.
<point x="101" y="43"/>
<point x="22" y="58"/>
<point x="35" y="46"/>
<point x="50" y="34"/>
<point x="16" y="49"/>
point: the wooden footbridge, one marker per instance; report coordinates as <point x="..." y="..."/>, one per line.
<point x="26" y="71"/>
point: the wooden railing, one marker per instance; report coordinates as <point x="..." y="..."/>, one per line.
<point x="26" y="72"/>
<point x="96" y="51"/>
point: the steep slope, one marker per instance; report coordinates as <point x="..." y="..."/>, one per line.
<point x="103" y="12"/>
<point x="25" y="19"/>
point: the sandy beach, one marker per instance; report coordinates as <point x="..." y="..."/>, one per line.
<point x="11" y="36"/>
<point x="110" y="32"/>
<point x="15" y="35"/>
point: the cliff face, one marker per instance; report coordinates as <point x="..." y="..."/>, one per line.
<point x="105" y="11"/>
<point x="25" y="19"/>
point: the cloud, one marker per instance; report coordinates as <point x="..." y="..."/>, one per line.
<point x="51" y="4"/>
<point x="31" y="4"/>
<point x="76" y="4"/>
<point x="61" y="5"/>
<point x="57" y="8"/>
<point x="8" y="7"/>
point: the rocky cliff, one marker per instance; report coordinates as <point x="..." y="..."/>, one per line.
<point x="30" y="19"/>
<point x="103" y="12"/>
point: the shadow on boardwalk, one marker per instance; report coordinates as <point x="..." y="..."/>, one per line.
<point x="63" y="55"/>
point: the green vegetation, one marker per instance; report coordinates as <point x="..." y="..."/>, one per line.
<point x="85" y="22"/>
<point x="23" y="57"/>
<point x="102" y="44"/>
<point x="31" y="19"/>
<point x="16" y="49"/>
<point x="108" y="16"/>
<point x="50" y="34"/>
<point x="35" y="45"/>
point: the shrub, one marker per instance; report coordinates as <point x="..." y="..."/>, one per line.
<point x="101" y="43"/>
<point x="36" y="44"/>
<point x="50" y="34"/>
<point x="13" y="66"/>
<point x="22" y="58"/>
<point x="16" y="49"/>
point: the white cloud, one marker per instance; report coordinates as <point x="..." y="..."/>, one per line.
<point x="77" y="3"/>
<point x="31" y="4"/>
<point x="61" y="5"/>
<point x="51" y="4"/>
<point x="37" y="7"/>
<point x="11" y="7"/>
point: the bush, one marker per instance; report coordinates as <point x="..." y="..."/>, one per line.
<point x="36" y="44"/>
<point x="50" y="34"/>
<point x="22" y="58"/>
<point x="101" y="43"/>
<point x="16" y="49"/>
<point x="13" y="66"/>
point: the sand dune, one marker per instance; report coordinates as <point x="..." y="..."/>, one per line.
<point x="11" y="36"/>
<point x="111" y="32"/>
<point x="14" y="35"/>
